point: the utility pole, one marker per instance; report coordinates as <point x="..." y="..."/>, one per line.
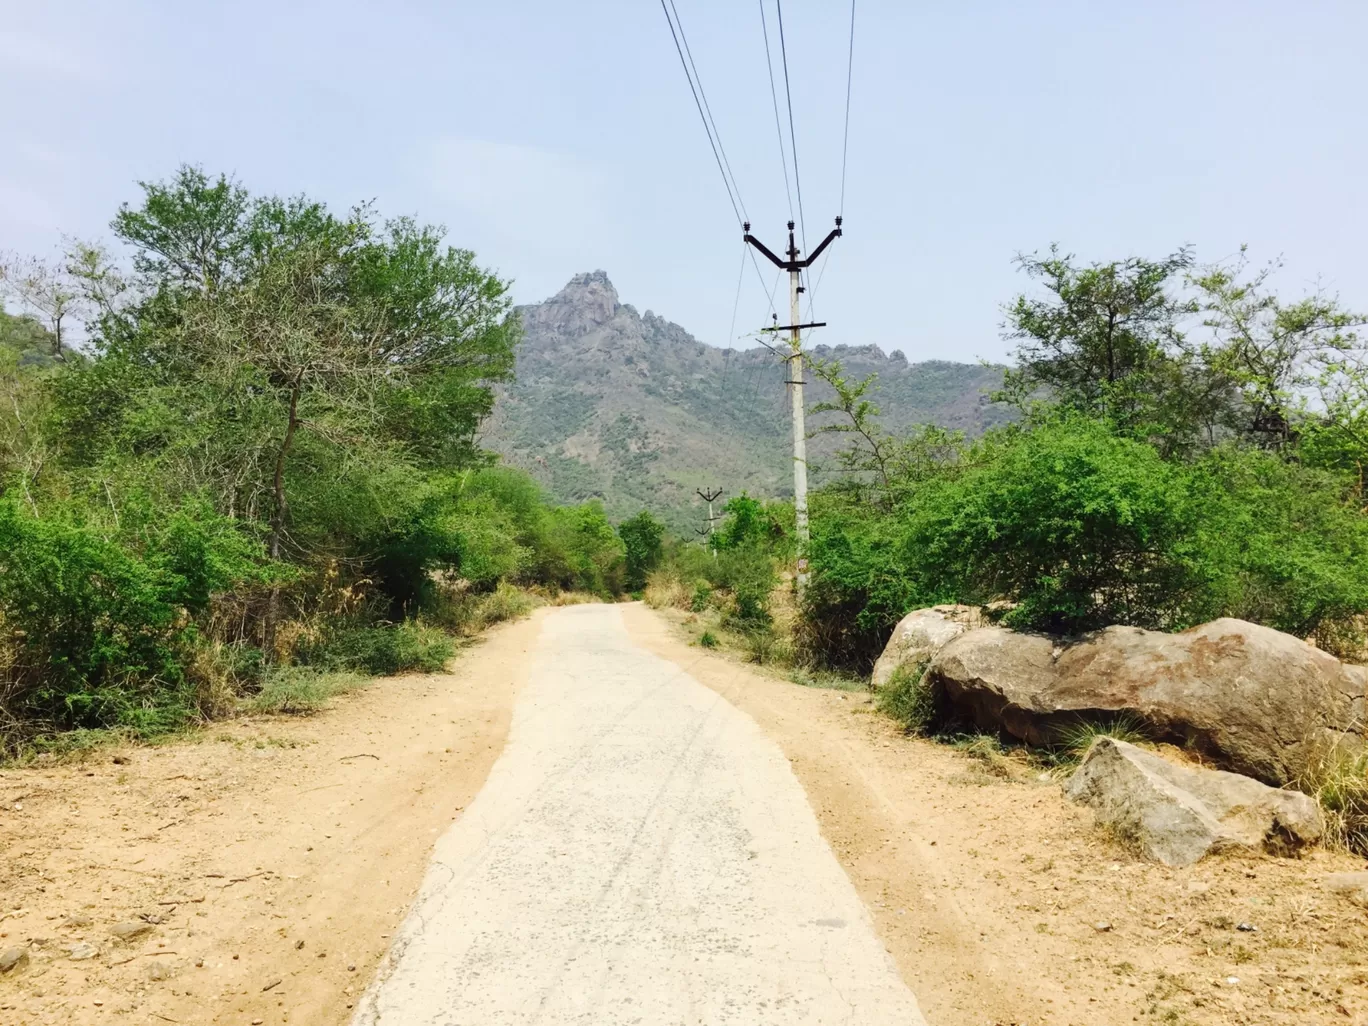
<point x="794" y="379"/>
<point x="710" y="497"/>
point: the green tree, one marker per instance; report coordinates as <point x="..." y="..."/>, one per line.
<point x="1108" y="341"/>
<point x="1273" y="352"/>
<point x="642" y="540"/>
<point x="304" y="369"/>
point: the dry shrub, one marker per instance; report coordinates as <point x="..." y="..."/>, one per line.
<point x="1338" y="780"/>
<point x="571" y="598"/>
<point x="665" y="589"/>
<point x="462" y="611"/>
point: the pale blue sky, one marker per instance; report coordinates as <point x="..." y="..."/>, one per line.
<point x="557" y="137"/>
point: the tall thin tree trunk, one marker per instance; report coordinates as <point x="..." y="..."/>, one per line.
<point x="278" y="520"/>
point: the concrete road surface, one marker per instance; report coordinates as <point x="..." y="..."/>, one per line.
<point x="641" y="854"/>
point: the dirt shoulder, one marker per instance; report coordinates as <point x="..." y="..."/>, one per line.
<point x="271" y="859"/>
<point x="1001" y="902"/>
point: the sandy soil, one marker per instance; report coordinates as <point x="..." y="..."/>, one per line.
<point x="1003" y="904"/>
<point x="272" y="859"/>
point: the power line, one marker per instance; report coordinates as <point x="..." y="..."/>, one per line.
<point x="711" y="120"/>
<point x="793" y="137"/>
<point x="723" y="166"/>
<point x="774" y="97"/>
<point x="731" y="332"/>
<point x="845" y="142"/>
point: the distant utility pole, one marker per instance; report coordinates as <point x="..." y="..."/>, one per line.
<point x="710" y="497"/>
<point x="794" y="380"/>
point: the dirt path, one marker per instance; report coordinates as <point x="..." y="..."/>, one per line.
<point x="998" y="901"/>
<point x="641" y="854"/>
<point x="1002" y="904"/>
<point x="279" y="857"/>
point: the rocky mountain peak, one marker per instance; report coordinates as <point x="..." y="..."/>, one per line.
<point x="587" y="302"/>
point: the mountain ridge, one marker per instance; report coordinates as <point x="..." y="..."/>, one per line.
<point x="633" y="409"/>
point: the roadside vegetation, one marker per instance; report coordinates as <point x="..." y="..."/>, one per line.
<point x="1185" y="445"/>
<point x="239" y="466"/>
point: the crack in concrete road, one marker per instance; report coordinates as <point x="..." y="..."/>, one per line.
<point x="640" y="854"/>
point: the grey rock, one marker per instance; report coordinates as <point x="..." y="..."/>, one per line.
<point x="160" y="971"/>
<point x="920" y="635"/>
<point x="1352" y="886"/>
<point x="1179" y="814"/>
<point x="13" y="958"/>
<point x="82" y="951"/>
<point x="131" y="930"/>
<point x="77" y="921"/>
<point x="1252" y="699"/>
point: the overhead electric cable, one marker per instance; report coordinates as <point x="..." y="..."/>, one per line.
<point x="845" y="140"/>
<point x="793" y="137"/>
<point x="731" y="332"/>
<point x="716" y="143"/>
<point x="711" y="120"/>
<point x="774" y="97"/>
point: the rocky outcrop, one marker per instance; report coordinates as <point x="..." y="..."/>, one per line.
<point x="1252" y="699"/>
<point x="587" y="302"/>
<point x="1178" y="814"/>
<point x="920" y="635"/>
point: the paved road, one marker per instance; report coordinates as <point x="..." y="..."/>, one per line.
<point x="641" y="854"/>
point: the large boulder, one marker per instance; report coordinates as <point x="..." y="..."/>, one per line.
<point x="1252" y="699"/>
<point x="919" y="636"/>
<point x="1178" y="814"/>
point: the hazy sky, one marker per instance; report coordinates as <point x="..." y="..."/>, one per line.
<point x="555" y="137"/>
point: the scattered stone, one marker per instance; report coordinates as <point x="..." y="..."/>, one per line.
<point x="82" y="951"/>
<point x="13" y="958"/>
<point x="1232" y="980"/>
<point x="1252" y="699"/>
<point x="1246" y="928"/>
<point x="121" y="760"/>
<point x="919" y="636"/>
<point x="131" y="930"/>
<point x="1178" y="814"/>
<point x="1352" y="886"/>
<point x="351" y="968"/>
<point x="77" y="921"/>
<point x="159" y="971"/>
<point x="1102" y="927"/>
<point x="273" y="984"/>
<point x="299" y="945"/>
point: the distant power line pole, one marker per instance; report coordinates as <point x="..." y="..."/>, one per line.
<point x="710" y="497"/>
<point x="794" y="378"/>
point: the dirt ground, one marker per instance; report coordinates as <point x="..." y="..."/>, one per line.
<point x="1003" y="904"/>
<point x="273" y="858"/>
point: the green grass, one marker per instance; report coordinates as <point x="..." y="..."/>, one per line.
<point x="300" y="690"/>
<point x="908" y="699"/>
<point x="708" y="640"/>
<point x="1074" y="741"/>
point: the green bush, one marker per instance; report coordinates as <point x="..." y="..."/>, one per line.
<point x="1078" y="527"/>
<point x="748" y="573"/>
<point x="907" y="698"/>
<point x="99" y="625"/>
<point x="382" y="650"/>
<point x="642" y="546"/>
<point x="701" y="597"/>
